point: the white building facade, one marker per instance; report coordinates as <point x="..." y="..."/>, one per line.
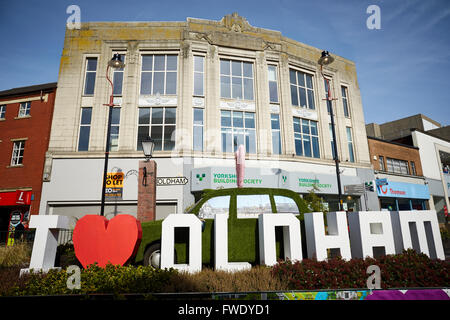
<point x="198" y="88"/>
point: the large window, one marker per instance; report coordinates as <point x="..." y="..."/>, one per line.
<point x="397" y="166"/>
<point x="159" y="74"/>
<point x="17" y="153"/>
<point x="89" y="80"/>
<point x="115" y="126"/>
<point x="85" y="129"/>
<point x="118" y="78"/>
<point x="199" y="75"/>
<point x="24" y="109"/>
<point x="238" y="128"/>
<point x="302" y="90"/>
<point x="351" y="153"/>
<point x="236" y="79"/>
<point x="306" y="138"/>
<point x="344" y="91"/>
<point x="198" y="129"/>
<point x="276" y="133"/>
<point x="273" y="86"/>
<point x="158" y="123"/>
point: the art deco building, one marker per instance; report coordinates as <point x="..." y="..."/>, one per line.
<point x="200" y="87"/>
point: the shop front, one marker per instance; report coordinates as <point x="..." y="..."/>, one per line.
<point x="14" y="214"/>
<point x="324" y="185"/>
<point x="396" y="196"/>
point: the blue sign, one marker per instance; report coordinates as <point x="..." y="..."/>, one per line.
<point x="382" y="182"/>
<point x="403" y="190"/>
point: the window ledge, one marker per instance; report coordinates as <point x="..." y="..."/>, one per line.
<point x="15" y="166"/>
<point x="22" y="117"/>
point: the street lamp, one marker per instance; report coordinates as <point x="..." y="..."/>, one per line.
<point x="324" y="60"/>
<point x="147" y="148"/>
<point x="115" y="63"/>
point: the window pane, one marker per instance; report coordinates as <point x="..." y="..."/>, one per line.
<point x="294" y="97"/>
<point x="238" y="138"/>
<point x="311" y="99"/>
<point x="83" y="143"/>
<point x="315" y="146"/>
<point x="147" y="63"/>
<point x="276" y="142"/>
<point x="350" y="152"/>
<point x="226" y="140"/>
<point x="296" y="125"/>
<point x="169" y="137"/>
<point x="309" y="83"/>
<point x="285" y="204"/>
<point x="302" y="97"/>
<point x="344" y="92"/>
<point x="273" y="92"/>
<point x="238" y="119"/>
<point x="272" y="73"/>
<point x="86" y="114"/>
<point x="275" y="120"/>
<point x="146" y="83"/>
<point x="349" y="134"/>
<point x="253" y="204"/>
<point x="115" y="116"/>
<point x="249" y="120"/>
<point x="160" y="61"/>
<point x="90" y="83"/>
<point x="144" y="115"/>
<point x="250" y="141"/>
<point x="248" y="69"/>
<point x="225" y="67"/>
<point x="305" y="126"/>
<point x="91" y="64"/>
<point x="198" y="138"/>
<point x="198" y="116"/>
<point x="172" y="62"/>
<point x="171" y="114"/>
<point x="301" y="78"/>
<point x="226" y="118"/>
<point x="198" y="84"/>
<point x="157" y="115"/>
<point x="158" y="84"/>
<point x="292" y="77"/>
<point x="143" y="134"/>
<point x="118" y="81"/>
<point x="225" y="89"/>
<point x="248" y="89"/>
<point x="298" y="147"/>
<point x="198" y="63"/>
<point x="307" y="145"/>
<point x="216" y="205"/>
<point x="156" y="134"/>
<point x="236" y="88"/>
<point x="236" y="68"/>
<point x="171" y="83"/>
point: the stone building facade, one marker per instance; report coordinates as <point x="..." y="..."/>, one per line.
<point x="199" y="87"/>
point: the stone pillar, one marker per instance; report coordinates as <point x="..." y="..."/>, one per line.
<point x="146" y="208"/>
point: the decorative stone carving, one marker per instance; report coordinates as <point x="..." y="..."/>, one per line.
<point x="157" y="100"/>
<point x="234" y="22"/>
<point x="238" y="104"/>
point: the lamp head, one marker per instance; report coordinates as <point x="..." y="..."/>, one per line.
<point x="147" y="147"/>
<point x="116" y="62"/>
<point x="325" y="59"/>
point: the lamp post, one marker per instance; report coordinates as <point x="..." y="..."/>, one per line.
<point x="147" y="148"/>
<point x="324" y="60"/>
<point x="115" y="63"/>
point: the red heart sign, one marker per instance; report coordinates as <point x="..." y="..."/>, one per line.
<point x="115" y="241"/>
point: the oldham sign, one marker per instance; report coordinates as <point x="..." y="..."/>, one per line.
<point x="171" y="181"/>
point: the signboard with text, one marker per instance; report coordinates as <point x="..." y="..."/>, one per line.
<point x="114" y="185"/>
<point x="395" y="189"/>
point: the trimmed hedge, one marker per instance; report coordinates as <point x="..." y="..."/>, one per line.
<point x="409" y="269"/>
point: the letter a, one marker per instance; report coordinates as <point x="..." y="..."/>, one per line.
<point x="373" y="21"/>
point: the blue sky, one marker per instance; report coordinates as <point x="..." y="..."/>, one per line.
<point x="402" y="67"/>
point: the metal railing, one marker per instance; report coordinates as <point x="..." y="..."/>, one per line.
<point x="9" y="238"/>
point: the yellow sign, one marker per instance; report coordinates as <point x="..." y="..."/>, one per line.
<point x="114" y="180"/>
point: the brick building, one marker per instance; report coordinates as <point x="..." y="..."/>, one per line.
<point x="25" y="121"/>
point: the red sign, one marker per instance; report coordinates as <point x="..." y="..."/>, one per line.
<point x="14" y="198"/>
<point x="97" y="239"/>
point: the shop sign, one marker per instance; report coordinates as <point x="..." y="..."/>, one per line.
<point x="23" y="197"/>
<point x="114" y="185"/>
<point x="403" y="190"/>
<point x="382" y="182"/>
<point x="355" y="189"/>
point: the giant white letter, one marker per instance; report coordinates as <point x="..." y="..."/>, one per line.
<point x="337" y="238"/>
<point x="195" y="242"/>
<point x="221" y="246"/>
<point x="291" y="237"/>
<point x="45" y="240"/>
<point x="418" y="230"/>
<point x="369" y="230"/>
